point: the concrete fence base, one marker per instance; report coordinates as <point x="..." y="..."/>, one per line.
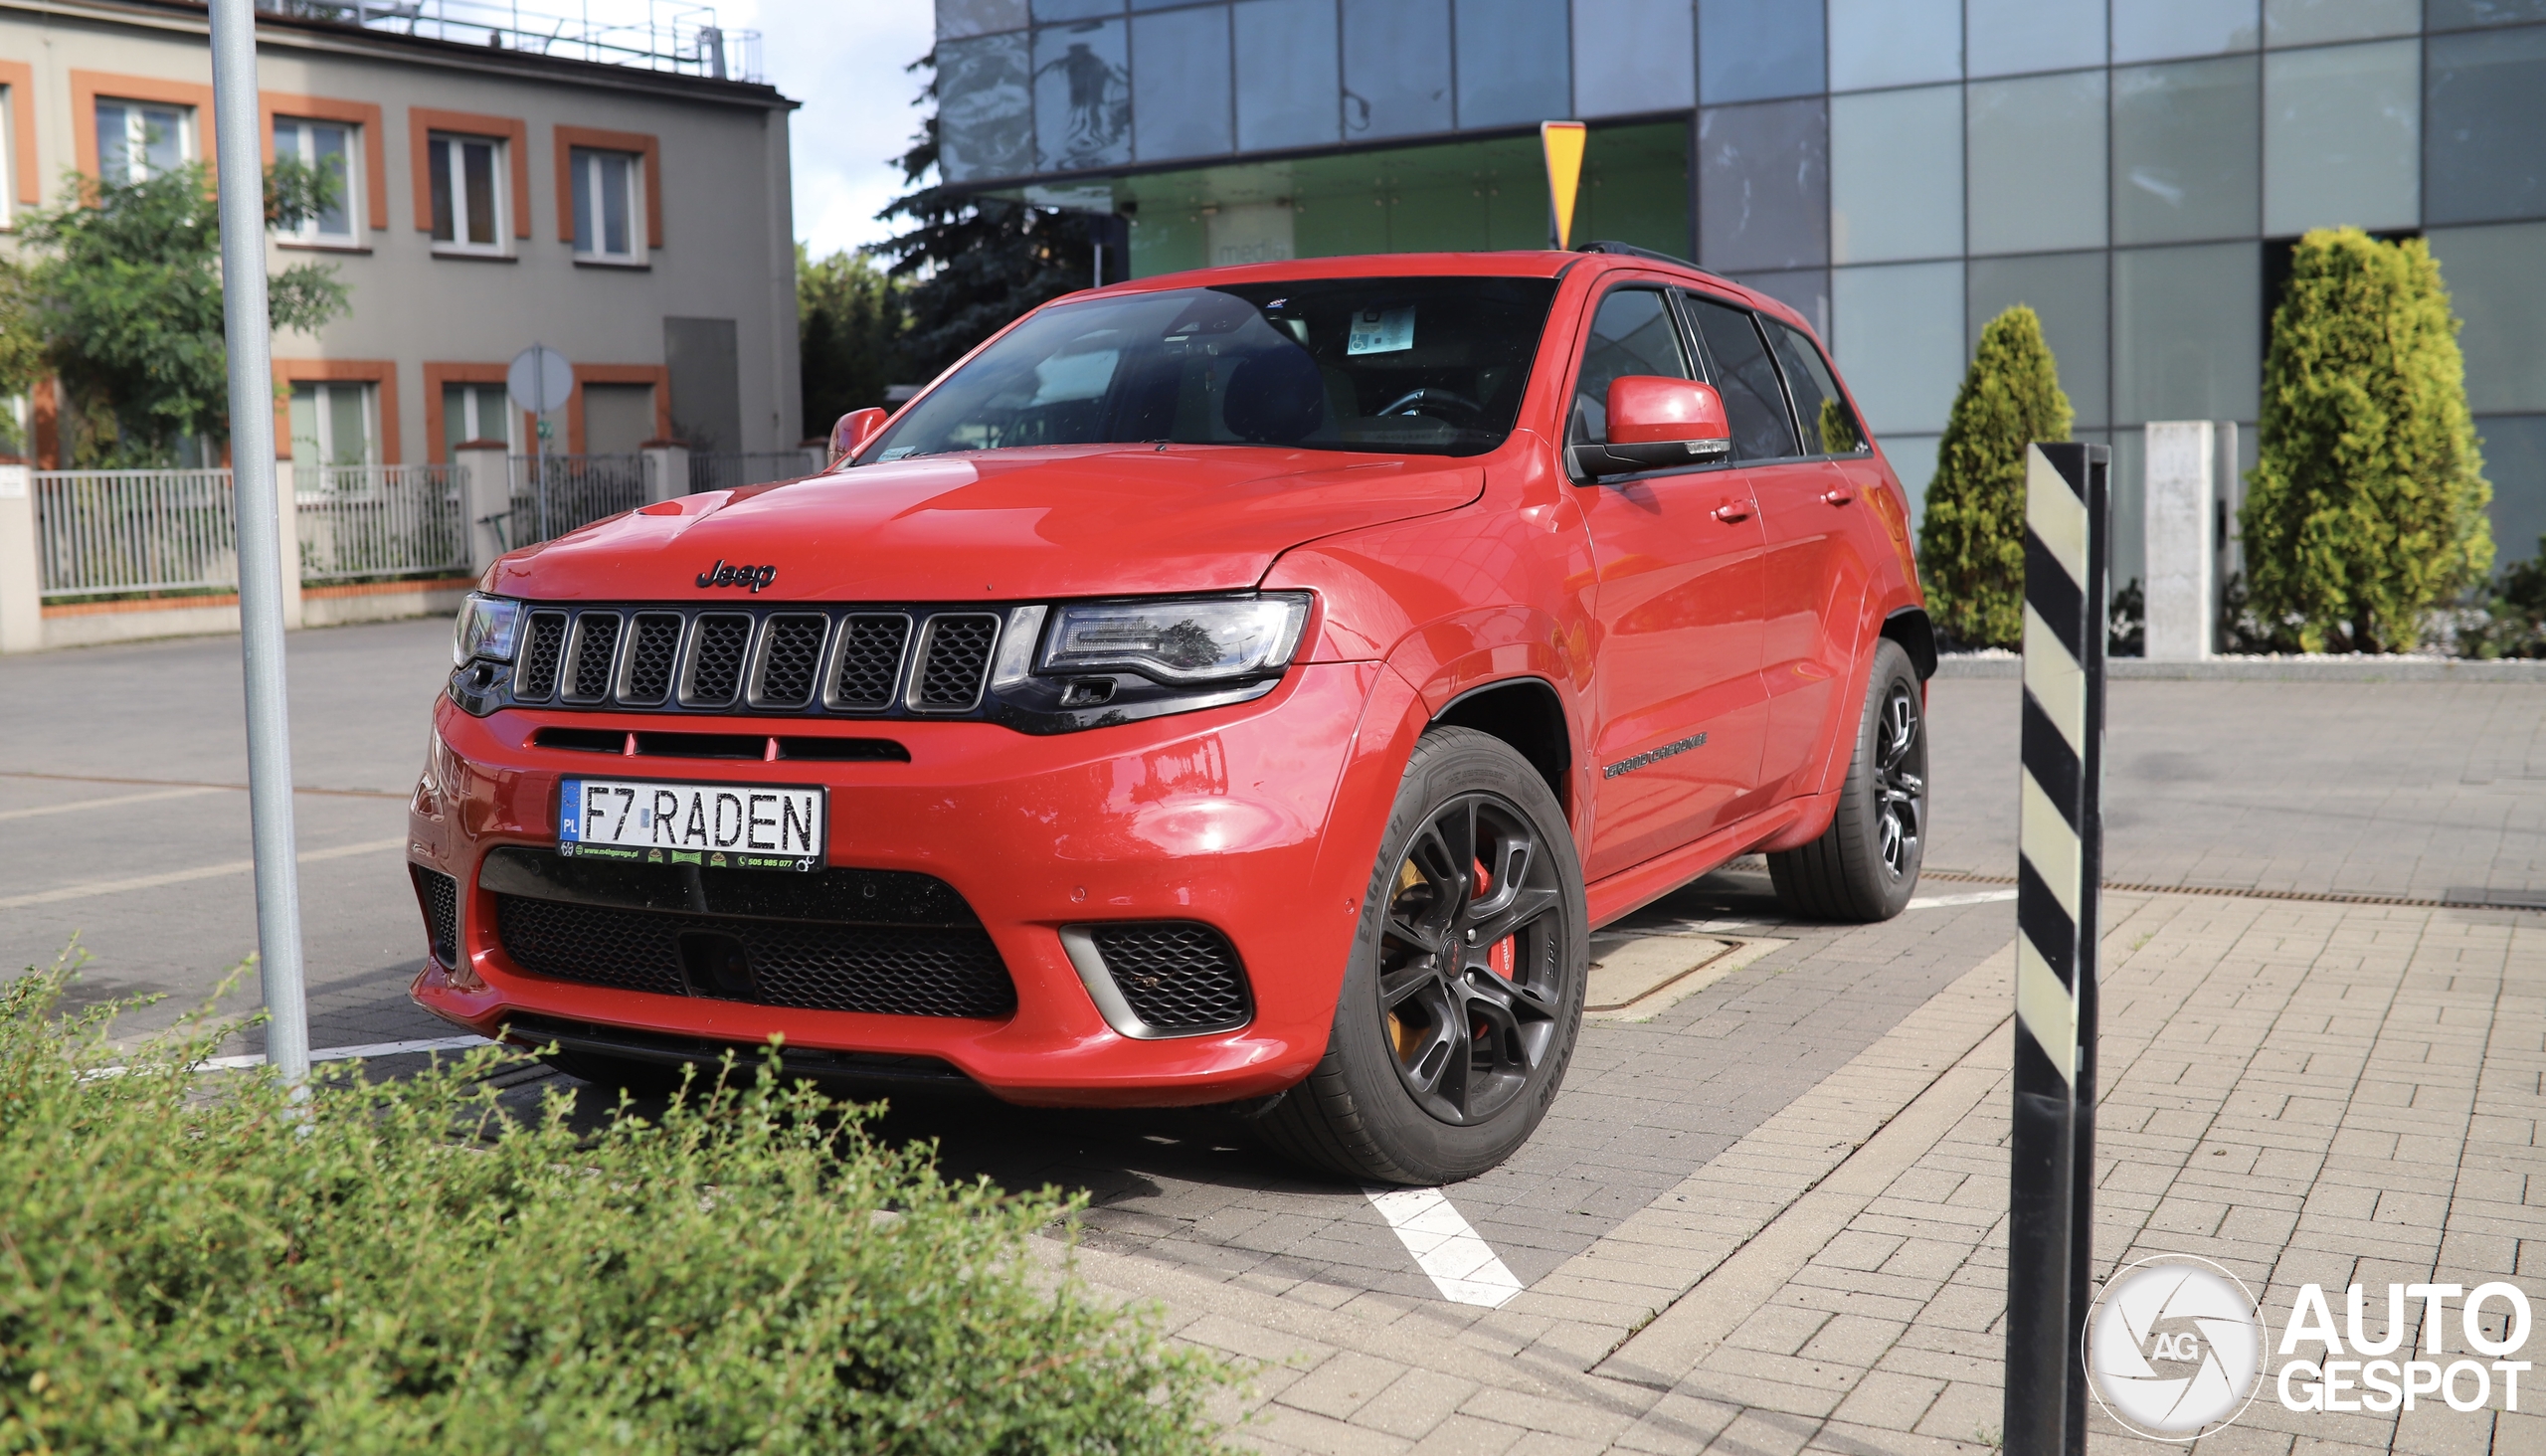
<point x="94" y="624"/>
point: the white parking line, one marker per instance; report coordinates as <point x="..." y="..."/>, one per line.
<point x="324" y="1054"/>
<point x="1977" y="897"/>
<point x="180" y="876"/>
<point x="1461" y="1265"/>
<point x="79" y="803"/>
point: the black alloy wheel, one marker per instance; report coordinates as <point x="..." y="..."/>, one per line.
<point x="1865" y="866"/>
<point x="1901" y="779"/>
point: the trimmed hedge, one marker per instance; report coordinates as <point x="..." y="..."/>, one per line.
<point x="1972" y="531"/>
<point x="198" y="1264"/>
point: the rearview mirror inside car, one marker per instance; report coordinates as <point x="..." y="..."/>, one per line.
<point x="1655" y="422"/>
<point x="852" y="434"/>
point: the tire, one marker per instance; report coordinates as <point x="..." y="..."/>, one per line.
<point x="1865" y="866"/>
<point x="1401" y="1096"/>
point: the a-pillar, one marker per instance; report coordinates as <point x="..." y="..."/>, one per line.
<point x="21" y="580"/>
<point x="485" y="498"/>
<point x="667" y="469"/>
<point x="287" y="533"/>
<point x="2182" y="593"/>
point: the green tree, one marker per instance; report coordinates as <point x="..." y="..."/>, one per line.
<point x="2367" y="503"/>
<point x="1972" y="537"/>
<point x="848" y="326"/>
<point x="973" y="264"/>
<point x="123" y="303"/>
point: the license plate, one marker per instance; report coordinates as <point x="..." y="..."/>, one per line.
<point x="714" y="825"/>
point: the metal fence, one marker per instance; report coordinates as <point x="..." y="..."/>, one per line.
<point x="726" y="471"/>
<point x="553" y="494"/>
<point x="106" y="531"/>
<point x="379" y="522"/>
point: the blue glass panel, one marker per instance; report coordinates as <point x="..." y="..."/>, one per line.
<point x="1286" y="73"/>
<point x="1897" y="334"/>
<point x="2314" y="22"/>
<point x="2159" y="30"/>
<point x="2187" y="334"/>
<point x="2005" y="37"/>
<point x="1764" y="194"/>
<point x="1751" y="49"/>
<point x="2514" y="448"/>
<point x="1895" y="174"/>
<point x="1893" y="41"/>
<point x="1047" y="11"/>
<point x="1180" y="84"/>
<point x="2485" y="98"/>
<point x="2037" y="162"/>
<point x="957" y="19"/>
<point x="1806" y="290"/>
<point x="985" y="109"/>
<point x="2342" y="137"/>
<point x="1632" y="56"/>
<point x="1082" y="96"/>
<point x="2067" y="291"/>
<point x="1396" y="67"/>
<point x="2187" y="151"/>
<point x="2445" y="15"/>
<point x="1514" y="61"/>
<point x="2498" y="288"/>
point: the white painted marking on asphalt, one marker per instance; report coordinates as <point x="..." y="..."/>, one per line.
<point x="324" y="1054"/>
<point x="181" y="877"/>
<point x="1938" y="902"/>
<point x="79" y="803"/>
<point x="1461" y="1265"/>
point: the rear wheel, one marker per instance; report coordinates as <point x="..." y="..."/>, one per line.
<point x="1464" y="994"/>
<point x="1866" y="864"/>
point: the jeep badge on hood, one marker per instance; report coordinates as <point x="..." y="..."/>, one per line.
<point x="752" y="577"/>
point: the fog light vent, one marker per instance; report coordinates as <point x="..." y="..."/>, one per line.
<point x="1161" y="978"/>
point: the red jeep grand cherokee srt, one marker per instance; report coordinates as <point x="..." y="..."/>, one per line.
<point x="1246" y="686"/>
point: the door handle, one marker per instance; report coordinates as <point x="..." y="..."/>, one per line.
<point x="1840" y="497"/>
<point x="1731" y="511"/>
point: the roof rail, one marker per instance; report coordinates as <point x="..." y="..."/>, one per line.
<point x="1631" y="250"/>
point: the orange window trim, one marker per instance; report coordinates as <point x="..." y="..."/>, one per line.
<point x="381" y="372"/>
<point x="658" y="375"/>
<point x="422" y="122"/>
<point x="439" y="374"/>
<point x="271" y="104"/>
<point x="571" y="137"/>
<point x="88" y="85"/>
<point x="20" y="78"/>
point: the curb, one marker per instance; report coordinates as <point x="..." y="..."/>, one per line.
<point x="2277" y="669"/>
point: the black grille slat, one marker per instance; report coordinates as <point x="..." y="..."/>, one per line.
<point x="652" y="653"/>
<point x="596" y="655"/>
<point x="883" y="969"/>
<point x="716" y="655"/>
<point x="870" y="660"/>
<point x="543" y="647"/>
<point x="439" y="894"/>
<point x="790" y="660"/>
<point x="1174" y="975"/>
<point x="959" y="660"/>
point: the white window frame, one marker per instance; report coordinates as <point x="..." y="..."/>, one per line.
<point x="584" y="165"/>
<point x="9" y="158"/>
<point x="136" y="137"/>
<point x="472" y="419"/>
<point x="351" y="199"/>
<point x="309" y="478"/>
<point x="453" y="146"/>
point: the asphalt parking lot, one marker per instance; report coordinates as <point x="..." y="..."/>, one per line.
<point x="123" y="820"/>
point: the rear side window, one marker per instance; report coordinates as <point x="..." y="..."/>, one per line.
<point x="1753" y="402"/>
<point x="1631" y="334"/>
<point x="1829" y="425"/>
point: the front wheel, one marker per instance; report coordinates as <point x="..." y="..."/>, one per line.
<point x="1463" y="997"/>
<point x="1864" y="866"/>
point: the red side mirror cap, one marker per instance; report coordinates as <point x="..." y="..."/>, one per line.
<point x="1655" y="422"/>
<point x="853" y="433"/>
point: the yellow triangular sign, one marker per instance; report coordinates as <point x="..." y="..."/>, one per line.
<point x="1564" y="143"/>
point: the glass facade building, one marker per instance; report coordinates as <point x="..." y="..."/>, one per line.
<point x="1896" y="170"/>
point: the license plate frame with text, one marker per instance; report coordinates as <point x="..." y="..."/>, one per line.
<point x="765" y="826"/>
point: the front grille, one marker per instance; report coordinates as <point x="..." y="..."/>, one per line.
<point x="1176" y="975"/>
<point x="439" y="894"/>
<point x="870" y="660"/>
<point x="651" y="656"/>
<point x="716" y="655"/>
<point x="540" y="655"/>
<point x="959" y="662"/>
<point x="596" y="655"/>
<point x="887" y="970"/>
<point x="790" y="660"/>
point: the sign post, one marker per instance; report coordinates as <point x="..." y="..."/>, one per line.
<point x="250" y="330"/>
<point x="2059" y="867"/>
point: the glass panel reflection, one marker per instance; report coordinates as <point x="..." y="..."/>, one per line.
<point x="2037" y="162"/>
<point x="2186" y="150"/>
<point x="1082" y="96"/>
<point x="1893" y="42"/>
<point x="1514" y="61"/>
<point x="1633" y="55"/>
<point x="2067" y="291"/>
<point x="2485" y="95"/>
<point x="1895" y="174"/>
<point x="2342" y="137"/>
<point x="2492" y="279"/>
<point x="1396" y="67"/>
<point x="1180" y="93"/>
<point x="985" y="108"/>
<point x="2187" y="334"/>
<point x="1762" y="201"/>
<point x="1751" y="49"/>
<point x="2004" y="36"/>
<point x="1897" y="334"/>
<point x="1286" y="82"/>
<point x="2157" y="29"/>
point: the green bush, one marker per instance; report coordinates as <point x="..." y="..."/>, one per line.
<point x="2507" y="617"/>
<point x="197" y="1264"/>
<point x="1971" y="536"/>
<point x="2367" y="504"/>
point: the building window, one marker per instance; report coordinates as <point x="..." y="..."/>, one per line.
<point x="466" y="175"/>
<point x="140" y="141"/>
<point x="475" y="412"/>
<point x="331" y="427"/>
<point x="607" y="209"/>
<point x="325" y="147"/>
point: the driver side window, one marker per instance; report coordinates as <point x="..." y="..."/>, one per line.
<point x="1631" y="334"/>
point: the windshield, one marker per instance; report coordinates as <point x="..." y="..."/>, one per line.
<point x="1424" y="366"/>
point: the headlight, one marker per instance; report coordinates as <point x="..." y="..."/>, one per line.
<point x="1179" y="642"/>
<point x="487" y="629"/>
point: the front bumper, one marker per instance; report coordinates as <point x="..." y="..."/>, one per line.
<point x="1247" y="817"/>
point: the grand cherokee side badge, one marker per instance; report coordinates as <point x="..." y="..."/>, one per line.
<point x="752" y="577"/>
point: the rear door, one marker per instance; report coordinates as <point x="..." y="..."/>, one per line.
<point x="1677" y="677"/>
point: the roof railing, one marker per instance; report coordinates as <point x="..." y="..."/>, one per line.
<point x="673" y="37"/>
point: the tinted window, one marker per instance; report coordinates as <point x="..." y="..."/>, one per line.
<point x="1420" y="366"/>
<point x="1829" y="425"/>
<point x="1753" y="402"/>
<point x="1631" y="334"/>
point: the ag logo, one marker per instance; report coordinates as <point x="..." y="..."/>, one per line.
<point x="2174" y="1348"/>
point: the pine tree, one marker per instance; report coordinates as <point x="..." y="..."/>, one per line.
<point x="848" y="326"/>
<point x="1972" y="539"/>
<point x="2367" y="504"/>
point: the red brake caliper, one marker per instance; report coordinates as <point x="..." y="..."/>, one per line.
<point x="1500" y="958"/>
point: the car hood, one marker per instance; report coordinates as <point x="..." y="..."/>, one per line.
<point x="1075" y="521"/>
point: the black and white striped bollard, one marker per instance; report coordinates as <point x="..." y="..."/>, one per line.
<point x="2060" y="836"/>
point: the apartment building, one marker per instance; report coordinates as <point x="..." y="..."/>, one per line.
<point x="616" y="192"/>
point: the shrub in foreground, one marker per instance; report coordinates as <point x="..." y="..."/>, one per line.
<point x="1971" y="530"/>
<point x="197" y="1264"/>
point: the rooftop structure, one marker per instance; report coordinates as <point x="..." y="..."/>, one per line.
<point x="673" y="37"/>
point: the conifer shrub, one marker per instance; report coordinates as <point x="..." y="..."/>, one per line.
<point x="1971" y="536"/>
<point x="199" y="1264"/>
<point x="2366" y="509"/>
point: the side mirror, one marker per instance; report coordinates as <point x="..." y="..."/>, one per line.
<point x="853" y="433"/>
<point x="1656" y="422"/>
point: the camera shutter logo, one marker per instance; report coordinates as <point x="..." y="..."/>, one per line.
<point x="2175" y="1347"/>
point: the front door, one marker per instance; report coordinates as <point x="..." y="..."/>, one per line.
<point x="1677" y="601"/>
